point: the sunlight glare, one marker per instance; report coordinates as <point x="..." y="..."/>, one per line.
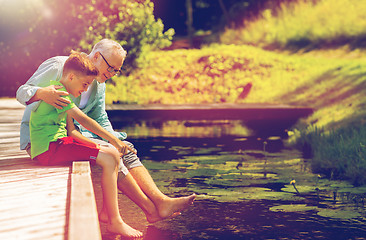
<point x="12" y="8"/>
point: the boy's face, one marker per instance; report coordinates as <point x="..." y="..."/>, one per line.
<point x="107" y="66"/>
<point x="78" y="84"/>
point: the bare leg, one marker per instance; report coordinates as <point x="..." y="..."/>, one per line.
<point x="165" y="205"/>
<point x="129" y="187"/>
<point x="108" y="160"/>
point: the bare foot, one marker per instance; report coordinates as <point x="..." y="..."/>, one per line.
<point x="103" y="216"/>
<point x="151" y="218"/>
<point x="156" y="218"/>
<point x="170" y="206"/>
<point x="123" y="229"/>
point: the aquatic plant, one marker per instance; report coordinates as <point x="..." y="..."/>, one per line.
<point x="293" y="182"/>
<point x="339" y="153"/>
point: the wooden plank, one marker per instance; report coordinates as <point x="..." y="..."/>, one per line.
<point x="83" y="218"/>
<point x="33" y="200"/>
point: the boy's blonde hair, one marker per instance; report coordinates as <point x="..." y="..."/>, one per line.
<point x="79" y="63"/>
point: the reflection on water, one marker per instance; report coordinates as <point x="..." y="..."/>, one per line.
<point x="243" y="187"/>
<point x="213" y="128"/>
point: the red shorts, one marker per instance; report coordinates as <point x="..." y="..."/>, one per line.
<point x="66" y="150"/>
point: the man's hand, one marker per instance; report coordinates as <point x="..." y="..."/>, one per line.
<point x="51" y="96"/>
<point x="122" y="147"/>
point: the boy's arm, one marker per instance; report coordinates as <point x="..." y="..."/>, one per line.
<point x="94" y="127"/>
<point x="73" y="132"/>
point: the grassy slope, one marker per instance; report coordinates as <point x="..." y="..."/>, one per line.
<point x="333" y="86"/>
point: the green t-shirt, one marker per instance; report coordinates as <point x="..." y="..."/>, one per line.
<point x="47" y="124"/>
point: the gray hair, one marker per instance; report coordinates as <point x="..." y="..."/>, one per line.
<point x="108" y="47"/>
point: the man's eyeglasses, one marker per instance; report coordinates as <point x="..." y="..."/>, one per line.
<point x="110" y="68"/>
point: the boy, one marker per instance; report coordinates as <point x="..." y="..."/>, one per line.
<point x="55" y="140"/>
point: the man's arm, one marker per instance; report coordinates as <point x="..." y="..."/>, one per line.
<point x="51" y="96"/>
<point x="96" y="110"/>
<point x="94" y="127"/>
<point x="32" y="90"/>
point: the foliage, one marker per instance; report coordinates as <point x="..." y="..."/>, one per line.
<point x="304" y="24"/>
<point x="37" y="30"/>
<point x="132" y="23"/>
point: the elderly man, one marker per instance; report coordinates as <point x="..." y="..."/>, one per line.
<point x="134" y="179"/>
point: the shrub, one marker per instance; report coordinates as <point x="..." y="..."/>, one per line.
<point x="131" y="23"/>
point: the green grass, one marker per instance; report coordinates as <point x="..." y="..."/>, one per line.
<point x="305" y="24"/>
<point x="339" y="154"/>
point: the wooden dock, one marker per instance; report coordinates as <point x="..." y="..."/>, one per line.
<point x="38" y="202"/>
<point x="222" y="111"/>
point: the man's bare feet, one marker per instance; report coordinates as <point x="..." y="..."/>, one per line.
<point x="123" y="229"/>
<point x="156" y="218"/>
<point x="151" y="218"/>
<point x="169" y="206"/>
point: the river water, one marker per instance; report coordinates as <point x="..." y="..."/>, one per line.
<point x="248" y="187"/>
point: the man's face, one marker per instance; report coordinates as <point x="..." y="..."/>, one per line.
<point x="79" y="84"/>
<point x="108" y="66"/>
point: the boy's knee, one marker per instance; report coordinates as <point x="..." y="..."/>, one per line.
<point x="116" y="156"/>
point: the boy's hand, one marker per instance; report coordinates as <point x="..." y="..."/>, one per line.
<point x="53" y="96"/>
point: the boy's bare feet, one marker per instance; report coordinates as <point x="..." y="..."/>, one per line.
<point x="103" y="217"/>
<point x="123" y="229"/>
<point x="170" y="206"/>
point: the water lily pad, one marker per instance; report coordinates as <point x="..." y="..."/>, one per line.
<point x="341" y="185"/>
<point x="255" y="193"/>
<point x="338" y="213"/>
<point x="292" y="208"/>
<point x="201" y="172"/>
<point x="354" y="190"/>
<point x="206" y="150"/>
<point x="153" y="165"/>
<point x="246" y="175"/>
<point x="219" y="194"/>
<point x="228" y="182"/>
<point x="217" y="158"/>
<point x="240" y="139"/>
